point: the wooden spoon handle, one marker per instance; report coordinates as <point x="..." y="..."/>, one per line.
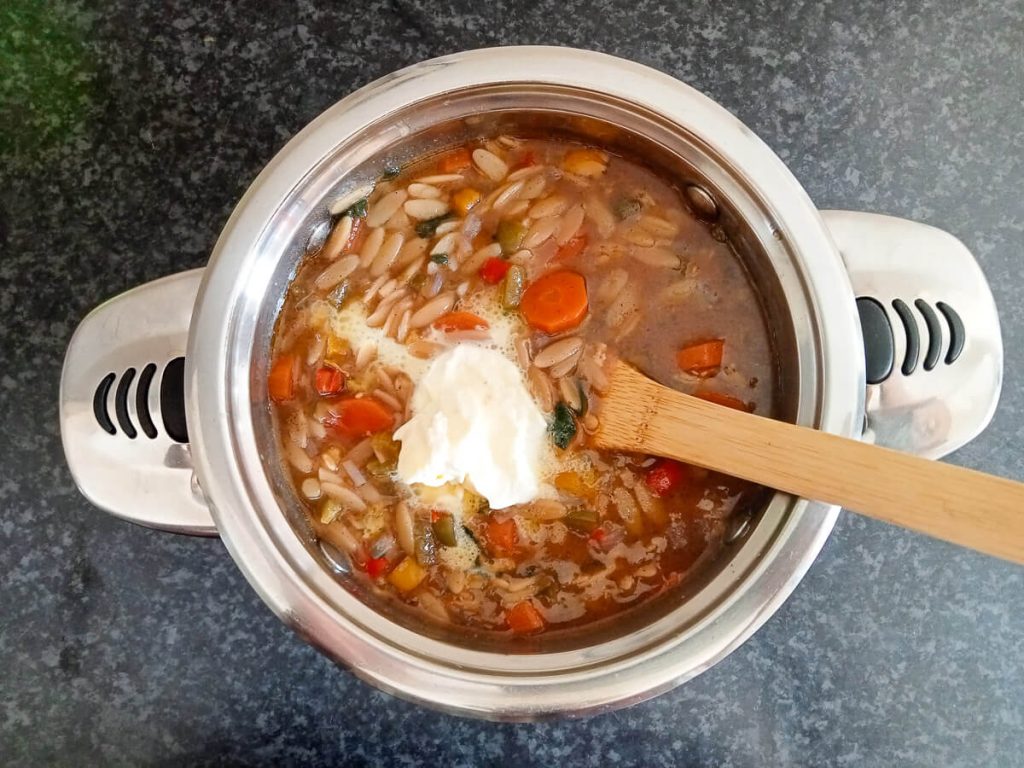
<point x="959" y="505"/>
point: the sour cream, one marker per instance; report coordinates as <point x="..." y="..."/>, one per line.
<point x="474" y="423"/>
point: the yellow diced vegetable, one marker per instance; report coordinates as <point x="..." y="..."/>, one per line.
<point x="576" y="484"/>
<point x="336" y="350"/>
<point x="329" y="510"/>
<point x="586" y="162"/>
<point x="464" y="200"/>
<point x="407" y="575"/>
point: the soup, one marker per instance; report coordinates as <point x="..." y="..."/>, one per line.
<point x="437" y="373"/>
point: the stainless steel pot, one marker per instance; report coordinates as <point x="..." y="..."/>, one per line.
<point x="165" y="421"/>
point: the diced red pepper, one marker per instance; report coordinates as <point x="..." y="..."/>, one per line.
<point x="281" y="381"/>
<point x="493" y="270"/>
<point x="597" y="534"/>
<point x="359" y="417"/>
<point x="665" y="476"/>
<point x="376" y="567"/>
<point x="329" y="381"/>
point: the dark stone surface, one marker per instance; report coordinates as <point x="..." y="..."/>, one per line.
<point x="127" y="132"/>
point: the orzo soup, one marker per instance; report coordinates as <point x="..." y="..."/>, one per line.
<point x="437" y="373"/>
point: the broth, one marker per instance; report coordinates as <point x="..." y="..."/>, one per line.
<point x="560" y="257"/>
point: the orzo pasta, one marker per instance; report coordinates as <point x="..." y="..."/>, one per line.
<point x="558" y="257"/>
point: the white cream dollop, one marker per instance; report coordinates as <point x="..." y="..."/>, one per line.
<point x="473" y="421"/>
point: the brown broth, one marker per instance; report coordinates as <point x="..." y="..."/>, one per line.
<point x="657" y="281"/>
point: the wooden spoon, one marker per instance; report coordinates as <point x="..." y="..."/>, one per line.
<point x="959" y="505"/>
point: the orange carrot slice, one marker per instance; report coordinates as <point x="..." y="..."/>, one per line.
<point x="523" y="618"/>
<point x="727" y="400"/>
<point x="702" y="359"/>
<point x="555" y="302"/>
<point x="281" y="381"/>
<point x="455" y="161"/>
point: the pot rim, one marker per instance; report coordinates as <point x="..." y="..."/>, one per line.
<point x="291" y="582"/>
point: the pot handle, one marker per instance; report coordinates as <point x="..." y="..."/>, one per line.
<point x="933" y="349"/>
<point x="122" y="408"/>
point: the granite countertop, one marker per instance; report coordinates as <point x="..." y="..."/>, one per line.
<point x="127" y="132"/>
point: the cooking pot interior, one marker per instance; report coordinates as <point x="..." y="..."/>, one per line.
<point x="740" y="218"/>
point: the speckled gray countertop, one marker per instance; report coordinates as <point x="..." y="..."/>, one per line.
<point x="127" y="133"/>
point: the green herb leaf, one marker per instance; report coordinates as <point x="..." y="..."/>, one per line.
<point x="563" y="426"/>
<point x="428" y="227"/>
<point x="357" y="210"/>
<point x="439" y="258"/>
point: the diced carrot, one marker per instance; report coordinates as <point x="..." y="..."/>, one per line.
<point x="503" y="537"/>
<point x="702" y="359"/>
<point x="359" y="416"/>
<point x="460" y="321"/>
<point x="329" y="381"/>
<point x="407" y="575"/>
<point x="494" y="269"/>
<point x="727" y="400"/>
<point x="585" y="162"/>
<point x="455" y="161"/>
<point x="464" y="200"/>
<point x="572" y="248"/>
<point x="665" y="476"/>
<point x="376" y="567"/>
<point x="555" y="302"/>
<point x="523" y="618"/>
<point x="281" y="381"/>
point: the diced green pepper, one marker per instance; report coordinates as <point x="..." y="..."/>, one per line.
<point x="391" y="170"/>
<point x="444" y="530"/>
<point x="563" y="426"/>
<point x="510" y="236"/>
<point x="512" y="287"/>
<point x="440" y="258"/>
